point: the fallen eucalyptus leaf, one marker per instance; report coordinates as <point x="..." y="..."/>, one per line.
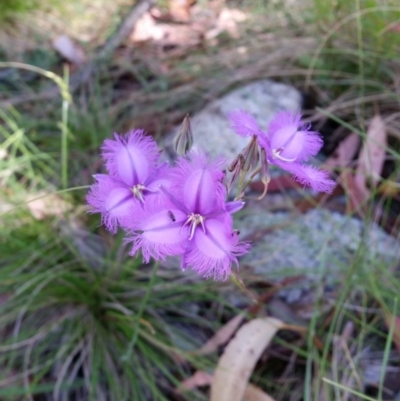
<point x="42" y="205"/>
<point x="254" y="393"/>
<point x="69" y="50"/>
<point x="344" y="153"/>
<point x="239" y="358"/>
<point x="221" y="336"/>
<point x="199" y="379"/>
<point x="372" y="155"/>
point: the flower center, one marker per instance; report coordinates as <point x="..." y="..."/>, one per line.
<point x="289" y="149"/>
<point x="137" y="191"/>
<point x="276" y="154"/>
<point x="193" y="221"/>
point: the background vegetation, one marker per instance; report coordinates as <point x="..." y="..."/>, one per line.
<point x="79" y="318"/>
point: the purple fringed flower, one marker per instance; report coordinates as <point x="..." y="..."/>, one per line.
<point x="191" y="219"/>
<point x="288" y="144"/>
<point x="131" y="161"/>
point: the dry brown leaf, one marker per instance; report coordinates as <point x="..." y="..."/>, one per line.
<point x="372" y="155"/>
<point x="228" y="21"/>
<point x="43" y="205"/>
<point x="199" y="379"/>
<point x="69" y="50"/>
<point x="344" y="154"/>
<point x="239" y="358"/>
<point x="254" y="393"/>
<point x="221" y="336"/>
<point x="202" y="378"/>
<point x="356" y="191"/>
<point x="164" y="34"/>
<point x="360" y="191"/>
<point x="369" y="166"/>
<point x="277" y="184"/>
<point x="389" y="188"/>
<point x="396" y="332"/>
<point x="180" y="9"/>
<point x="3" y="153"/>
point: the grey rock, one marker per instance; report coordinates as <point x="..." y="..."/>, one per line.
<point x="211" y="129"/>
<point x="320" y="244"/>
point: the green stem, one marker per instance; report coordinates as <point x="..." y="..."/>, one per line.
<point x="386" y="353"/>
<point x="64" y="135"/>
<point x="240" y="284"/>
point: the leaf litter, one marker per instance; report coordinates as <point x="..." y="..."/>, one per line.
<point x="356" y="183"/>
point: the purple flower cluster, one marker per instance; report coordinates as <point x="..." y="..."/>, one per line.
<point x="191" y="219"/>
<point x="183" y="210"/>
<point x="168" y="211"/>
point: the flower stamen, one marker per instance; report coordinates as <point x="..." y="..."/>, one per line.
<point x="137" y="191"/>
<point x="194" y="220"/>
<point x="276" y="154"/>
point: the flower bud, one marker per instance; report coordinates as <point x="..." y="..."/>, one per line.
<point x="237" y="164"/>
<point x="184" y="139"/>
<point x="265" y="176"/>
<point x="251" y="155"/>
<point x="235" y="168"/>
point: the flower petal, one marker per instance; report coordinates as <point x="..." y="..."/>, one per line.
<point x="311" y="146"/>
<point x="244" y="124"/>
<point x="119" y="201"/>
<point x="283" y="135"/>
<point x="317" y="179"/>
<point x="234" y="206"/>
<point x="199" y="191"/>
<point x="159" y="178"/>
<point x="157" y="229"/>
<point x="281" y="120"/>
<point x="198" y="183"/>
<point x="112" y="199"/>
<point x="288" y="134"/>
<point x="131" y="158"/>
<point x="213" y="251"/>
<point x="289" y="141"/>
